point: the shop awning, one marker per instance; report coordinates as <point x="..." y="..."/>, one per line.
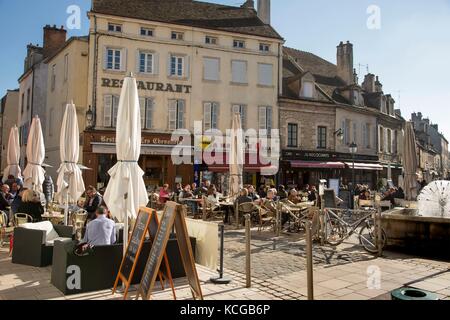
<point x="365" y="166"/>
<point x="317" y="165"/>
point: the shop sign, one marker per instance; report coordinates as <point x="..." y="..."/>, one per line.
<point x="144" y="141"/>
<point x="149" y="86"/>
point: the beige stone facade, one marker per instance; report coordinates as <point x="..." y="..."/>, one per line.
<point x="67" y="79"/>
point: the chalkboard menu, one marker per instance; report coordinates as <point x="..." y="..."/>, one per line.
<point x="329" y="199"/>
<point x="172" y="217"/>
<point x="147" y="220"/>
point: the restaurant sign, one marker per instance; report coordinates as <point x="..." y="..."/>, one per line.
<point x="149" y="86"/>
<point x="145" y="141"/>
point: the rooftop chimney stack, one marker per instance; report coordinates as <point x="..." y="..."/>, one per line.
<point x="250" y="4"/>
<point x="54" y="39"/>
<point x="369" y="83"/>
<point x="264" y="11"/>
<point x="378" y="85"/>
<point x="345" y="62"/>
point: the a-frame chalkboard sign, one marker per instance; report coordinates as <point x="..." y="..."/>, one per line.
<point x="146" y="223"/>
<point x="173" y="218"/>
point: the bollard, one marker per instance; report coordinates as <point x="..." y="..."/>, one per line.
<point x="221" y="279"/>
<point x="309" y="261"/>
<point x="379" y="233"/>
<point x="248" y="260"/>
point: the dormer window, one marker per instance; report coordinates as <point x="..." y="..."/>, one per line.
<point x="114" y="27"/>
<point x="239" y="44"/>
<point x="211" y="40"/>
<point x="307" y="90"/>
<point x="177" y="35"/>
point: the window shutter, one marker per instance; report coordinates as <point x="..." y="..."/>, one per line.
<point x="115" y="109"/>
<point x="380" y="149"/>
<point x="262" y="118"/>
<point x="207" y="116"/>
<point x="155" y="63"/>
<point x="269" y="119"/>
<point x="149" y="113"/>
<point x="239" y="71"/>
<point x="181" y="112"/>
<point x="172" y="114"/>
<point x="355" y="133"/>
<point x="105" y="58"/>
<point x="215" y="115"/>
<point x="187" y="67"/>
<point x="107" y="111"/>
<point x="138" y="61"/>
<point x="386" y="140"/>
<point x="142" y="101"/>
<point x="169" y="64"/>
<point x="244" y="117"/>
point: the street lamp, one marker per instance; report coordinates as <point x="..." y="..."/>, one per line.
<point x="353" y="148"/>
<point x="90" y="118"/>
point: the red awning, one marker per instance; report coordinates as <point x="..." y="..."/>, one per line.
<point x="365" y="166"/>
<point x="317" y="165"/>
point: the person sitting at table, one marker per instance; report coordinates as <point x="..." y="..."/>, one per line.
<point x="93" y="201"/>
<point x="187" y="194"/>
<point x="312" y="197"/>
<point x="17" y="201"/>
<point x="5" y="198"/>
<point x="282" y="193"/>
<point x="252" y="193"/>
<point x="178" y="189"/>
<point x="31" y="205"/>
<point x="164" y="194"/>
<point x="101" y="231"/>
<point x="15" y="189"/>
<point x="293" y="197"/>
<point x="364" y="196"/>
<point x="270" y="204"/>
<point x="213" y="198"/>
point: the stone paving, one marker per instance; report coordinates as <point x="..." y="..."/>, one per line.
<point x="342" y="273"/>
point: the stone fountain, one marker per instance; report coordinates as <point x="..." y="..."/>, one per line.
<point x="425" y="230"/>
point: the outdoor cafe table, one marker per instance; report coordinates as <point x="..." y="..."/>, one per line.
<point x="54" y="218"/>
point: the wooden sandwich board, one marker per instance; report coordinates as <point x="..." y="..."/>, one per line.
<point x="147" y="222"/>
<point x="173" y="218"/>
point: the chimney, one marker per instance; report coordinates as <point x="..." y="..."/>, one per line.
<point x="54" y="39"/>
<point x="355" y="77"/>
<point x="378" y="85"/>
<point x="369" y="83"/>
<point x="345" y="62"/>
<point x="249" y="4"/>
<point x="264" y="11"/>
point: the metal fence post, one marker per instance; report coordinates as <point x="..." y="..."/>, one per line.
<point x="221" y="279"/>
<point x="248" y="260"/>
<point x="309" y="261"/>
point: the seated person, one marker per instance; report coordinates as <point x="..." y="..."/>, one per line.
<point x="269" y="204"/>
<point x="312" y="197"/>
<point x="5" y="198"/>
<point x="390" y="196"/>
<point x="187" y="194"/>
<point x="93" y="201"/>
<point x="31" y="205"/>
<point x="294" y="197"/>
<point x="213" y="198"/>
<point x="252" y="193"/>
<point x="282" y="193"/>
<point x="101" y="231"/>
<point x="244" y="197"/>
<point x="164" y="194"/>
<point x="365" y="195"/>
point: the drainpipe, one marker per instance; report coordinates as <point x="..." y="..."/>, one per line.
<point x="95" y="72"/>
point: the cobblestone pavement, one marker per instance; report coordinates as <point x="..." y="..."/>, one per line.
<point x="345" y="272"/>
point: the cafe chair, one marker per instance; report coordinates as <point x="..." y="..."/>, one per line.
<point x="248" y="208"/>
<point x="212" y="211"/>
<point x="4" y="230"/>
<point x="33" y="242"/>
<point x="267" y="219"/>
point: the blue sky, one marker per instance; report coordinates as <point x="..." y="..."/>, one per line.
<point x="410" y="52"/>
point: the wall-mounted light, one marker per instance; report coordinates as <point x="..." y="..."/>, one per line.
<point x="90" y="118"/>
<point x="340" y="134"/>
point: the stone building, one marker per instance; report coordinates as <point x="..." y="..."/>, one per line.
<point x="434" y="145"/>
<point x="390" y="127"/>
<point x="322" y="112"/>
<point x="33" y="84"/>
<point x="194" y="61"/>
<point x="8" y="118"/>
<point x="67" y="82"/>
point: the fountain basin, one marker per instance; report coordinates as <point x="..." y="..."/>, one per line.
<point x="408" y="230"/>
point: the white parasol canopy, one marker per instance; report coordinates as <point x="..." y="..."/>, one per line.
<point x="126" y="190"/>
<point x="70" y="179"/>
<point x="34" y="174"/>
<point x="13" y="155"/>
<point x="236" y="157"/>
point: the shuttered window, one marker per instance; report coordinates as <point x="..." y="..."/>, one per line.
<point x="111" y="106"/>
<point x="265" y="74"/>
<point x="210" y="115"/>
<point x="292" y="135"/>
<point x="265" y="118"/>
<point x="242" y="110"/>
<point x="146" y="105"/>
<point x="146" y="62"/>
<point x="321" y="137"/>
<point x="239" y="71"/>
<point x="177" y="109"/>
<point x="211" y="69"/>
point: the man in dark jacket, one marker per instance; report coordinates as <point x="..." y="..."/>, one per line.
<point x="48" y="189"/>
<point x="93" y="201"/>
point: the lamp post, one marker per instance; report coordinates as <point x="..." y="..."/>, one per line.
<point x="90" y="118"/>
<point x="353" y="150"/>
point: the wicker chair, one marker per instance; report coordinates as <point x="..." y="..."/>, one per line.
<point x="248" y="208"/>
<point x="267" y="218"/>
